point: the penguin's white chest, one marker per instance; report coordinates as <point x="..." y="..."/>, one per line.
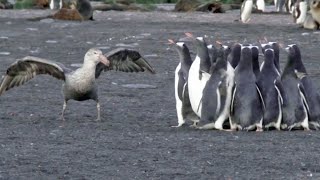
<point x="303" y="12"/>
<point x="246" y="11"/>
<point x="176" y="81"/>
<point x="261" y="5"/>
<point x="195" y="86"/>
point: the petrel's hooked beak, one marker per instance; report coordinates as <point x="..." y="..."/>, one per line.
<point x="104" y="60"/>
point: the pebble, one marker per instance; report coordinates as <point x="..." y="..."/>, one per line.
<point x="51" y="41"/>
<point x="5" y="53"/>
<point x="151" y="55"/>
<point x="139" y="86"/>
<point x="127" y="45"/>
<point x="32" y="29"/>
<point x="48" y="20"/>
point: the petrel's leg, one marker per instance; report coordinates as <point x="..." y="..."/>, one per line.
<point x="63" y="109"/>
<point x="98" y="109"/>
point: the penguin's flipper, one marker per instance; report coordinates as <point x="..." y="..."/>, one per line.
<point x="186" y="105"/>
<point x="303" y="95"/>
<point x="181" y="85"/>
<point x="261" y="98"/>
<point x="281" y="93"/>
<point x="234" y="90"/>
<point x="222" y="88"/>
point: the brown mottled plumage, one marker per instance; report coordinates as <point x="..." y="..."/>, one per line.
<point x="80" y="84"/>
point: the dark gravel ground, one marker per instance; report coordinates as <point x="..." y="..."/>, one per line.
<point x="134" y="139"/>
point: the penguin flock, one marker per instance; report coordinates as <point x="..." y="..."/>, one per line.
<point x="227" y="88"/>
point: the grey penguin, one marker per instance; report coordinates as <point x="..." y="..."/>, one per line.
<point x="246" y="111"/>
<point x="311" y="93"/>
<point x="217" y="93"/>
<point x="198" y="75"/>
<point x="246" y="10"/>
<point x="183" y="105"/>
<point x="272" y="91"/>
<point x="234" y="56"/>
<point x="294" y="111"/>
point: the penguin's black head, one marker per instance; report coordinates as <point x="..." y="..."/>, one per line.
<point x="269" y="55"/>
<point x="291" y="55"/>
<point x="179" y="45"/>
<point x="299" y="64"/>
<point x="227" y="50"/>
<point x="295" y="47"/>
<point x="236" y="50"/>
<point x="246" y="53"/>
<point x="264" y="47"/>
<point x="200" y="42"/>
<point x="235" y="55"/>
<point x="255" y="51"/>
<point x="275" y="46"/>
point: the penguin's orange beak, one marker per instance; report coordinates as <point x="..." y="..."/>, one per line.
<point x="171" y="41"/>
<point x="104" y="60"/>
<point x="190" y="35"/>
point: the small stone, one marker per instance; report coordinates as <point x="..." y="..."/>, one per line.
<point x="51" y="41"/>
<point x="5" y="53"/>
<point x="139" y="86"/>
<point x="47" y="20"/>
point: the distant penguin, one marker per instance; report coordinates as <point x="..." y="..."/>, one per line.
<point x="246" y="105"/>
<point x="300" y="12"/>
<point x="288" y="3"/>
<point x="311" y="93"/>
<point x="272" y="91"/>
<point x="234" y="56"/>
<point x="198" y="74"/>
<point x="217" y="93"/>
<point x="315" y="11"/>
<point x="294" y="111"/>
<point x="246" y="10"/>
<point x="55" y="4"/>
<point x="261" y="5"/>
<point x="183" y="105"/>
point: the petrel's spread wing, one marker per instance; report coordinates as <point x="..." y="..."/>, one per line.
<point x="25" y="69"/>
<point x="125" y="60"/>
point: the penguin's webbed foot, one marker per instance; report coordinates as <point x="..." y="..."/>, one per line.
<point x="179" y="125"/>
